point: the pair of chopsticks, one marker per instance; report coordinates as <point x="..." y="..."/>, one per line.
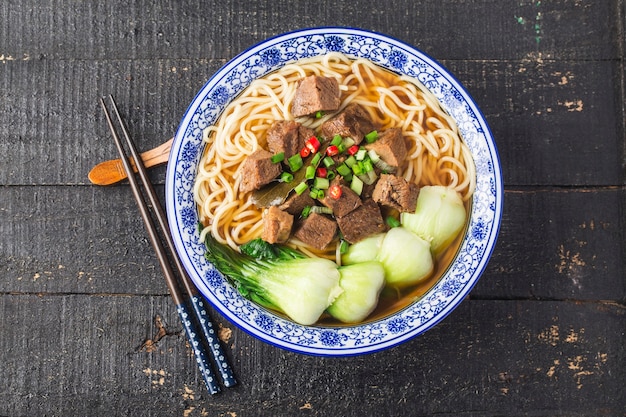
<point x="199" y="317"/>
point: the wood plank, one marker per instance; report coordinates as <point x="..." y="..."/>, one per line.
<point x="78" y="355"/>
<point x="473" y="29"/>
<point x="554" y="122"/>
<point x="66" y="133"/>
<point x="559" y="244"/>
<point x="563" y="117"/>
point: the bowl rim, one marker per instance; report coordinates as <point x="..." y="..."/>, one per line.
<point x="328" y="340"/>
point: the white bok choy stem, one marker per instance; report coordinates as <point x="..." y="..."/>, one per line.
<point x="361" y="284"/>
<point x="439" y="216"/>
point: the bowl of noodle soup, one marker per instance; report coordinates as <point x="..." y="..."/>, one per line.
<point x="449" y="143"/>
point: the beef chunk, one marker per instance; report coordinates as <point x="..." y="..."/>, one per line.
<point x="348" y="201"/>
<point x="315" y="93"/>
<point x="317" y="230"/>
<point x="362" y="222"/>
<point x="352" y="122"/>
<point x="287" y="136"/>
<point x="396" y="192"/>
<point x="276" y="225"/>
<point x="305" y="133"/>
<point x="257" y="170"/>
<point x="390" y="146"/>
<point x="295" y="203"/>
<point x="283" y="136"/>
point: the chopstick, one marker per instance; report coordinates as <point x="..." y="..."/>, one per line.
<point x="200" y="317"/>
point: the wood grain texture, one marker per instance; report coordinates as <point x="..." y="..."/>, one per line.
<point x="449" y="29"/>
<point x="541" y="334"/>
<point x="487" y="358"/>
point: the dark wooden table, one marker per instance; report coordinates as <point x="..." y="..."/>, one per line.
<point x="87" y="325"/>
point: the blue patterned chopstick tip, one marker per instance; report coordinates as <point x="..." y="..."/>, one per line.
<point x="208" y="330"/>
<point x="198" y="349"/>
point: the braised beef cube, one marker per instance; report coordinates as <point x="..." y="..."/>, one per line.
<point x="277" y="225"/>
<point x="257" y="170"/>
<point x="305" y="133"/>
<point x="362" y="222"/>
<point x="353" y="122"/>
<point x="284" y="136"/>
<point x="348" y="201"/>
<point x="295" y="203"/>
<point x="315" y="93"/>
<point x="390" y="146"/>
<point x="396" y="192"/>
<point x="316" y="230"/>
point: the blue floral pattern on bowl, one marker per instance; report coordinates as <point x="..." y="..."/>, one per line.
<point x="448" y="292"/>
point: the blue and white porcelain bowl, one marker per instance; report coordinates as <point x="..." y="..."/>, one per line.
<point x="418" y="317"/>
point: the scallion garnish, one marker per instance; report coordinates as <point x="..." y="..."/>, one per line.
<point x="371" y="137"/>
<point x="279" y="157"/>
<point x="286" y="177"/>
<point x="300" y="188"/>
<point x="295" y="162"/>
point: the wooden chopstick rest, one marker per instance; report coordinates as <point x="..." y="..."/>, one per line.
<point x="112" y="171"/>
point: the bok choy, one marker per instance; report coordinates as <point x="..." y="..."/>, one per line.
<point x="438" y="218"/>
<point x="278" y="277"/>
<point x="405" y="257"/>
<point x="361" y="284"/>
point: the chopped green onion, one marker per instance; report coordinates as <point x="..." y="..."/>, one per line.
<point x="392" y="222"/>
<point x="321" y="210"/>
<point x="372" y="136"/>
<point x="343" y="170"/>
<point x="295" y="162"/>
<point x="279" y="157"/>
<point x="348" y="177"/>
<point x="341" y="147"/>
<point x="300" y="188"/>
<point x="286" y="177"/>
<point x="320" y="194"/>
<point x="330" y="175"/>
<point x="313" y="193"/>
<point x="348" y="142"/>
<point x="350" y="161"/>
<point x="360" y="155"/>
<point x="357" y="168"/>
<point x="368" y="178"/>
<point x="306" y="211"/>
<point x="310" y="172"/>
<point x="328" y="162"/>
<point x="337" y="140"/>
<point x="367" y="166"/>
<point x="373" y="156"/>
<point x="356" y="185"/>
<point x="316" y="159"/>
<point x="319" y="114"/>
<point x="321" y="183"/>
<point x="383" y="166"/>
<point x="372" y="177"/>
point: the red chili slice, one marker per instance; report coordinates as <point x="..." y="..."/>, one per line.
<point x="335" y="191"/>
<point x="332" y="150"/>
<point x="313" y="144"/>
<point x="304" y="152"/>
<point x="321" y="172"/>
<point x="352" y="150"/>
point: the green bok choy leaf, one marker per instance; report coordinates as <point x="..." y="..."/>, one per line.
<point x="280" y="278"/>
